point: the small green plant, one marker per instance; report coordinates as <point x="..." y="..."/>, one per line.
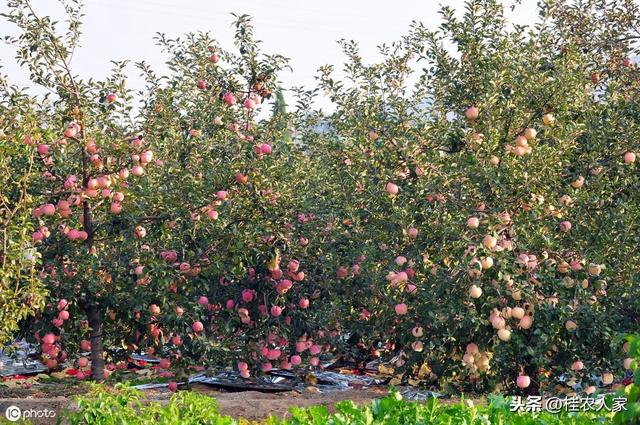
<point x="125" y="405"/>
<point x="393" y="409"/>
<point x="631" y="415"/>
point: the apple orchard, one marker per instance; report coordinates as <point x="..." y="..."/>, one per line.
<point x="468" y="215"/>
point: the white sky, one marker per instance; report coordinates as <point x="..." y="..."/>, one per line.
<point x="306" y="32"/>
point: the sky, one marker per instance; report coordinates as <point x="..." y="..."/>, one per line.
<point x="304" y="31"/>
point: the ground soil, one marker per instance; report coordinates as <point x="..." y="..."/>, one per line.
<point x="251" y="405"/>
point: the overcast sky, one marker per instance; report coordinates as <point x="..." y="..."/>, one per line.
<point x="304" y="31"/>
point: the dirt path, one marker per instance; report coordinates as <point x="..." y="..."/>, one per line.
<point x="255" y="405"/>
<point x="251" y="405"/>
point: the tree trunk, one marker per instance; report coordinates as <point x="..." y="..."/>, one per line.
<point x="97" y="359"/>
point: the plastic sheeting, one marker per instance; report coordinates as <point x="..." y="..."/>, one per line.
<point x="17" y="360"/>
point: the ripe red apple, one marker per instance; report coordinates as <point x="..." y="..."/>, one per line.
<point x="173" y="386"/>
<point x="214" y="58"/>
<point x="526" y="322"/>
<point x="229" y="99"/>
<point x="565" y="226"/>
<point x="401" y="309"/>
<point x="303" y="303"/>
<point x="116" y="208"/>
<point x="83" y="362"/>
<point x="629" y="158"/>
<point x="62" y="304"/>
<point x="202" y="84"/>
<point x="523" y="381"/>
<point x="472" y="113"/>
<point x="577" y="365"/>
<point x="473" y="222"/>
<point x="48" y="209"/>
<point x="197" y="326"/>
<point x="249" y="104"/>
<point x="265" y="149"/>
<point x="165" y="363"/>
<point x="137" y="170"/>
<point x="392" y="189"/>
<point x="315" y="349"/>
<point x="111" y="97"/>
<point x="49" y="339"/>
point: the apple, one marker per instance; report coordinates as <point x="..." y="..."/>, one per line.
<point x="116" y="208"/>
<point x="401" y="309"/>
<point x="229" y="99"/>
<point x="475" y="291"/>
<point x="173" y="386"/>
<point x="392" y="189"/>
<point x="578" y="183"/>
<point x="523" y="381"/>
<point x="197" y="326"/>
<point x="530" y="133"/>
<point x="517" y="313"/>
<point x="504" y="334"/>
<point x="577" y="365"/>
<point x="472" y="113"/>
<point x="473" y="222"/>
<point x="526" y="322"/>
<point x="249" y="104"/>
<point x="486" y="263"/>
<point x="548" y="119"/>
<point x="629" y="158"/>
<point x="489" y="242"/>
<point x="265" y="149"/>
<point x="214" y="58"/>
<point x="565" y="226"/>
<point x="49" y="339"/>
<point x="111" y="97"/>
